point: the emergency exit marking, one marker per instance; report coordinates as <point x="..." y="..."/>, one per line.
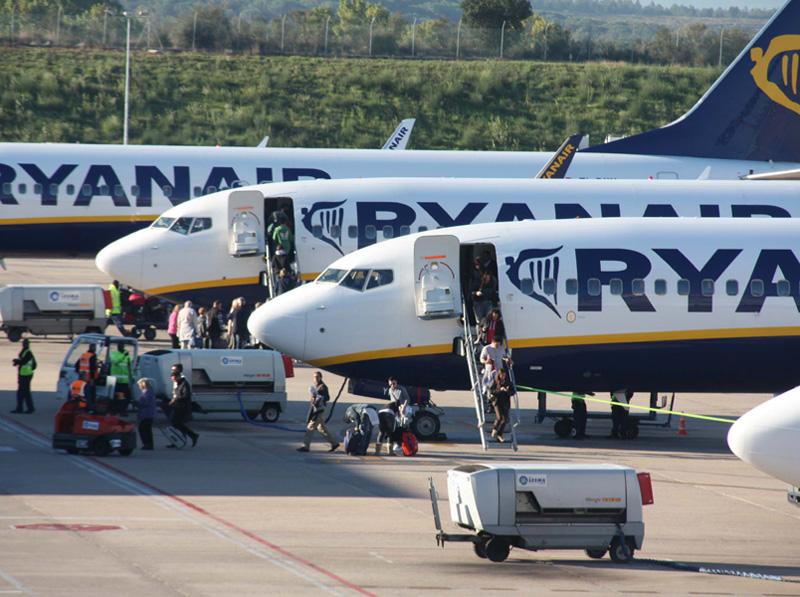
<point x="89" y="528"/>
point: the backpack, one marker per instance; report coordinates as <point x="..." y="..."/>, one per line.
<point x="353" y="442"/>
<point x="410" y="444"/>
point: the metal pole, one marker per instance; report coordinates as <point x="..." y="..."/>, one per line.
<point x="127" y="78"/>
<point x="721" y="31"/>
<point x="327" y="22"/>
<point x="413" y="35"/>
<point x="371" y="23"/>
<point x="283" y="32"/>
<point x="105" y="27"/>
<point x="502" y="38"/>
<point x="194" y="30"/>
<point x="13" y="14"/>
<point x="458" y="38"/>
<point x="545" y="40"/>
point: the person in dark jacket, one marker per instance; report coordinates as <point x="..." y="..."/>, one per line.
<point x="214" y="328"/>
<point x="500" y="392"/>
<point x="490" y="326"/>
<point x="146" y="413"/>
<point x="284" y="283"/>
<point x="237" y="324"/>
<point x="26" y="363"/>
<point x="181" y="405"/>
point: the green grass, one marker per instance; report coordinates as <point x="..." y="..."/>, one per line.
<point x="181" y="99"/>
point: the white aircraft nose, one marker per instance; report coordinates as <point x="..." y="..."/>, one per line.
<point x="766" y="437"/>
<point x="281" y="323"/>
<point x="122" y="262"/>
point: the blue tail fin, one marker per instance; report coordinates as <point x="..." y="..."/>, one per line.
<point x="750" y="113"/>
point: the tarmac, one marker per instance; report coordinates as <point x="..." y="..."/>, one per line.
<point x="244" y="513"/>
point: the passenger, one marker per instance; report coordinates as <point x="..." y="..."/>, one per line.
<point x="121" y="369"/>
<point x="490" y="326"/>
<point x="579" y="416"/>
<point x="402" y="408"/>
<point x="619" y="413"/>
<point x="285" y="282"/>
<point x="488" y="263"/>
<point x="237" y="324"/>
<point x="89" y="366"/>
<point x="364" y="417"/>
<point x="484" y="296"/>
<point x="181" y="405"/>
<point x="26" y="363"/>
<point x="494" y="357"/>
<point x="387" y="425"/>
<point x="172" y="327"/>
<point x="281" y="260"/>
<point x="283" y="239"/>
<point x="146" y="413"/>
<point x="214" y="329"/>
<point x="316" y="415"/>
<point x="276" y="218"/>
<point x="202" y="328"/>
<point x="500" y="392"/>
<point x="187" y="325"/>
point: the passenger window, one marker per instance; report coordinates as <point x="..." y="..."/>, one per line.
<point x="388" y="232"/>
<point x="683" y="287"/>
<point x="615" y="285"/>
<point x="593" y="287"/>
<point x="7" y="188"/>
<point x="352" y="231"/>
<point x="370" y="232"/>
<point x="167" y="190"/>
<point x="54" y="189"/>
<point x="380" y="277"/>
<point x="784" y="289"/>
<point x="135" y="190"/>
<point x="731" y="287"/>
<point x="316" y="230"/>
<point x="422" y="229"/>
<point x="104" y="189"/>
<point x="182" y="225"/>
<point x="37" y="189"/>
<point x="119" y="191"/>
<point x="70" y="189"/>
<point x="707" y="287"/>
<point x="757" y="288"/>
<point x="405" y="230"/>
<point x="163" y="222"/>
<point x="660" y="286"/>
<point x="331" y="275"/>
<point x="549" y="286"/>
<point x="572" y="286"/>
<point x="201" y="224"/>
<point x="210" y="190"/>
<point x="637" y="286"/>
<point x="197" y="191"/>
<point x="335" y="230"/>
<point x="526" y="286"/>
<point x="87" y="189"/>
<point x="355" y="279"/>
<point x="23" y="188"/>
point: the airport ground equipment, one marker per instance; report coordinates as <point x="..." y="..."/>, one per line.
<point x="145" y="314"/>
<point x="218" y="376"/>
<point x="533" y="506"/>
<point x="98" y="432"/>
<point x="47" y="309"/>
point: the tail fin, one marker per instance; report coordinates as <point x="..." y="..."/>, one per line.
<point x="750" y="113"/>
<point x="399" y="138"/>
<point x="562" y="158"/>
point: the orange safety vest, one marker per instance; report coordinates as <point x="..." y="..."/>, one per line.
<point x="78" y="392"/>
<point x="84" y="365"/>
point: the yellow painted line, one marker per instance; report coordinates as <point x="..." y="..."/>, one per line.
<point x="76" y="220"/>
<point x="199" y="285"/>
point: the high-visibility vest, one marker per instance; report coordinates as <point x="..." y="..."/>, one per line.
<point x="27" y="368"/>
<point x="116" y="305"/>
<point x="84" y="366"/>
<point x="120" y="362"/>
<point x="78" y="392"/>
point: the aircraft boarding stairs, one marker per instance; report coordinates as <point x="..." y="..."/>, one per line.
<point x="481" y="398"/>
<point x="272" y="275"/>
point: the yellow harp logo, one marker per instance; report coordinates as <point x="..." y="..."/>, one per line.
<point x="788" y="48"/>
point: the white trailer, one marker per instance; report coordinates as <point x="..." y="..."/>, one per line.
<point x="47" y="309"/>
<point x="532" y="506"/>
<point x="217" y="377"/>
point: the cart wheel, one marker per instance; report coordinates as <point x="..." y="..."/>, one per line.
<point x="270" y="413"/>
<point x="595" y="553"/>
<point x="102" y="447"/>
<point x="617" y="551"/>
<point x="149" y="334"/>
<point x="72" y="450"/>
<point x="630" y="430"/>
<point x="126" y="451"/>
<point x="563" y="427"/>
<point x="425" y="425"/>
<point x="497" y="549"/>
<point x="14" y="334"/>
<point x="136" y="332"/>
<point x="480" y="549"/>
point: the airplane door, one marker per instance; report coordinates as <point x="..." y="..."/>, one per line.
<point x="246" y="223"/>
<point x="437" y="286"/>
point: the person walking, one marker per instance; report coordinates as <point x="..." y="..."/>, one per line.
<point x="500" y="392"/>
<point x="181" y="405"/>
<point x="146" y="413"/>
<point x="121" y="369"/>
<point x="202" y="328"/>
<point x="187" y="325"/>
<point x="316" y="415"/>
<point x="25" y="363"/>
<point x="172" y="326"/>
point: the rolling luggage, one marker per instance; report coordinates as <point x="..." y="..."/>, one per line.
<point x="175" y="437"/>
<point x="410" y="444"/>
<point x="352" y="442"/>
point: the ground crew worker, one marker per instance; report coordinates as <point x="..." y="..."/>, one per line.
<point x="77" y="391"/>
<point x="26" y="363"/>
<point x="87" y="369"/>
<point x="115" y="312"/>
<point x="121" y="369"/>
<point x="316" y="415"/>
<point x="579" y="416"/>
<point x="619" y="413"/>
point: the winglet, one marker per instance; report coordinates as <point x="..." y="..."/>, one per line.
<point x="399" y="138"/>
<point x="559" y="163"/>
<point x="264" y="142"/>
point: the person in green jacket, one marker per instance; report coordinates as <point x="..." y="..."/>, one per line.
<point x="26" y="363"/>
<point x="121" y="369"/>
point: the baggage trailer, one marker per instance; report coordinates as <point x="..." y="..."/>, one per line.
<point x="218" y="377"/>
<point x="594" y="507"/>
<point x="50" y="309"/>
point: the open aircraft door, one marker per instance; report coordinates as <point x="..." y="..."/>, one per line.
<point x="246" y="223"/>
<point x="437" y="287"/>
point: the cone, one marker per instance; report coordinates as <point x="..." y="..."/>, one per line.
<point x="682" y="427"/>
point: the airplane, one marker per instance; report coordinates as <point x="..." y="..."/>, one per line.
<point x="198" y="251"/>
<point x="766" y="437"/>
<point x="590" y="305"/>
<point x="745" y="124"/>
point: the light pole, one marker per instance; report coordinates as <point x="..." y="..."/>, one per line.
<point x="105" y="23"/>
<point x="128" y="16"/>
<point x="545" y="41"/>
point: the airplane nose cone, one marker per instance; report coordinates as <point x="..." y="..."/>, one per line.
<point x="281" y="323"/>
<point x="119" y="262"/>
<point x="766" y="437"/>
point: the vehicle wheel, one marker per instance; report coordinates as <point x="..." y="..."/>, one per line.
<point x="14" y="334"/>
<point x="497" y="549"/>
<point x="630" y="430"/>
<point x="425" y="425"/>
<point x="595" y="553"/>
<point x="72" y="450"/>
<point x="135" y="332"/>
<point x="251" y="414"/>
<point x="150" y="334"/>
<point x="102" y="447"/>
<point x="126" y="451"/>
<point x="563" y="427"/>
<point x="480" y="549"/>
<point x="270" y="413"/>
<point x="617" y="551"/>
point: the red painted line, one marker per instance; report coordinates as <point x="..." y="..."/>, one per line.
<point x="67" y="527"/>
<point x="216" y="518"/>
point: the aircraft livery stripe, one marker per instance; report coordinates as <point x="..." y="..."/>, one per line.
<point x="645" y="337"/>
<point x="96" y="220"/>
<point x="196" y="285"/>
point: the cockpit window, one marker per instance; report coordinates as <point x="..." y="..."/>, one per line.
<point x="182" y="225"/>
<point x="332" y="275"/>
<point x="380" y="277"/>
<point x="163" y="222"/>
<point x="201" y="224"/>
<point x="355" y="279"/>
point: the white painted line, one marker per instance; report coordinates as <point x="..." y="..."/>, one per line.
<point x="380" y="557"/>
<point x="20" y="587"/>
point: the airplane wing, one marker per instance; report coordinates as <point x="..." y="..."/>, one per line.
<point x="559" y="163"/>
<point x="399" y="138"/>
<point x="782" y="175"/>
<point x="264" y="142"/>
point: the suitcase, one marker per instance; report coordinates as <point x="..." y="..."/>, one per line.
<point x="353" y="440"/>
<point x="175" y="437"/>
<point x="410" y="444"/>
